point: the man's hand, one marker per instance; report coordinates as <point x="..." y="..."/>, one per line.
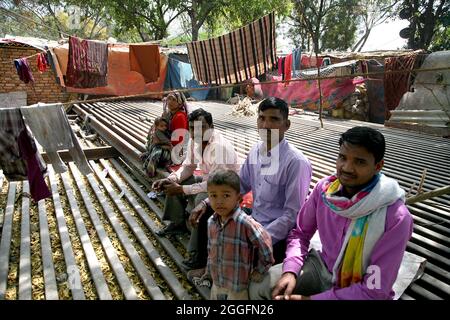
<point x="284" y="286"/>
<point x="172" y="188"/>
<point x="197" y="213"/>
<point x="159" y="184"/>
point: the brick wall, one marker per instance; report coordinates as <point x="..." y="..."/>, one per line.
<point x="45" y="87"/>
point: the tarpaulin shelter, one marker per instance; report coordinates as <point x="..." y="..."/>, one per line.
<point x="305" y="93"/>
<point x="121" y="79"/>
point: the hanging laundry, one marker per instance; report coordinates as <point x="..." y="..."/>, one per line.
<point x="237" y="56"/>
<point x="293" y="60"/>
<point x="19" y="158"/>
<point x="280" y="66"/>
<point x="145" y="59"/>
<point x="179" y="75"/>
<point x="396" y="84"/>
<point x="52" y="130"/>
<point x="288" y="67"/>
<point x="296" y="57"/>
<point x="23" y="70"/>
<point x="11" y="124"/>
<point x="42" y="62"/>
<point x="47" y="60"/>
<point x="310" y="61"/>
<point x="87" y="66"/>
<point x="38" y="187"/>
<point x="51" y="58"/>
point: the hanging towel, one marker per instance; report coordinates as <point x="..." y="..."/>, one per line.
<point x="87" y="66"/>
<point x="179" y="75"/>
<point x="23" y="70"/>
<point x="19" y="158"/>
<point x="51" y="58"/>
<point x="42" y="62"/>
<point x="11" y="124"/>
<point x="38" y="188"/>
<point x="293" y="59"/>
<point x="280" y="66"/>
<point x="288" y="67"/>
<point x="237" y="56"/>
<point x="145" y="60"/>
<point x="296" y="57"/>
<point x="52" y="130"/>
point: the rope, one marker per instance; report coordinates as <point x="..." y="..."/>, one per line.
<point x="151" y="94"/>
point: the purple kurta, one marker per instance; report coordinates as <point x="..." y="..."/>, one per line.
<point x="386" y="255"/>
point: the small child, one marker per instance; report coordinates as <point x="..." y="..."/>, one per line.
<point x="158" y="147"/>
<point x="233" y="240"/>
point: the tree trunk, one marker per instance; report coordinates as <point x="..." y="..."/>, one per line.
<point x="316" y="44"/>
<point x="413" y="7"/>
<point x="428" y="28"/>
<point x="194" y="30"/>
<point x="144" y="36"/>
<point x="364" y="40"/>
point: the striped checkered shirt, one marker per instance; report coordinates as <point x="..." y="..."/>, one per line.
<point x="232" y="247"/>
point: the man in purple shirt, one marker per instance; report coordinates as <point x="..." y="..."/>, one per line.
<point x="277" y="173"/>
<point x="363" y="225"/>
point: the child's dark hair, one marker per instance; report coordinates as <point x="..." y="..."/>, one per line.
<point x="225" y="177"/>
<point x="275" y="103"/>
<point x="371" y="139"/>
<point x="158" y="120"/>
<point x="197" y="113"/>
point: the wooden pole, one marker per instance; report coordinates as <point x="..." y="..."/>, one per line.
<point x="428" y="195"/>
<point x="320" y="90"/>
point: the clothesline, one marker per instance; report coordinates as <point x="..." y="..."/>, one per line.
<point x="151" y="94"/>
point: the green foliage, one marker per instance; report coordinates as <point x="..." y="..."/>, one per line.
<point x="441" y="38"/>
<point x="339" y="29"/>
<point x="51" y="19"/>
<point x="238" y="13"/>
<point x="327" y="24"/>
<point x="428" y="23"/>
<point x="149" y="19"/>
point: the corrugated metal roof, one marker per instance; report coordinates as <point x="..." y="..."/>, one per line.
<point x="99" y="230"/>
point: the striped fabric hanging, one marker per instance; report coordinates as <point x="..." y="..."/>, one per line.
<point x="237" y="56"/>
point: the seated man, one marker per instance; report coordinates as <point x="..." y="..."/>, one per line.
<point x="206" y="148"/>
<point x="363" y="225"/>
<point x="277" y="173"/>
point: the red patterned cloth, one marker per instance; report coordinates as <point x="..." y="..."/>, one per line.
<point x="42" y="62"/>
<point x="396" y="84"/>
<point x="88" y="64"/>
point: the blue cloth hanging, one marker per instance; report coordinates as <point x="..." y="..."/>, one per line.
<point x="179" y="75"/>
